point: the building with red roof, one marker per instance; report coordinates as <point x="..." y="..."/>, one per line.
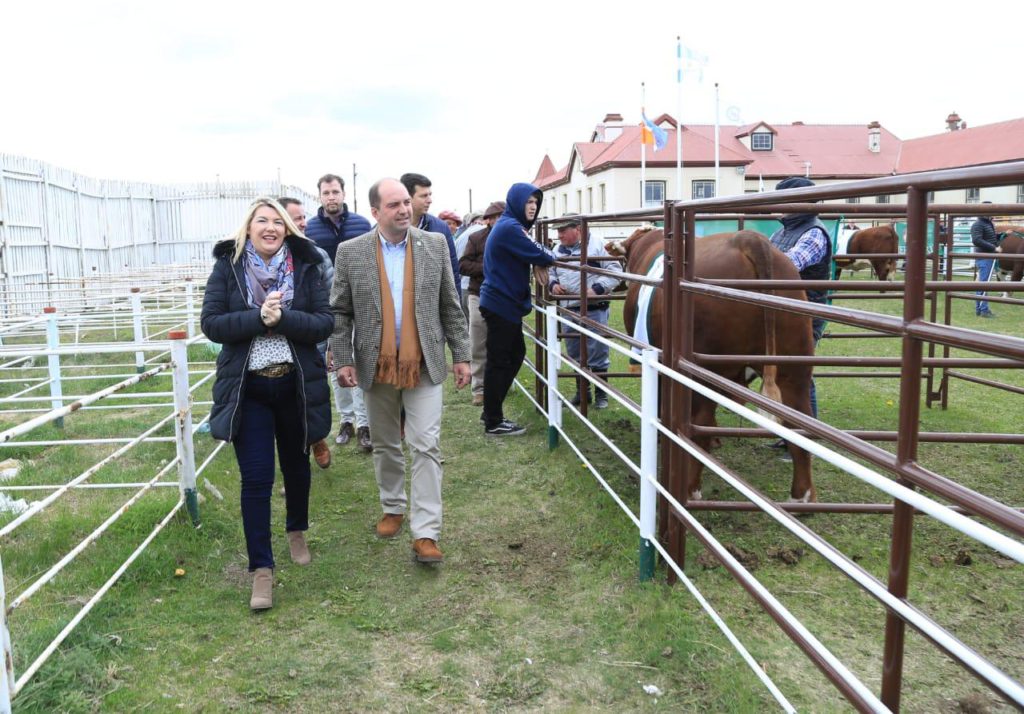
<point x="602" y="175"/>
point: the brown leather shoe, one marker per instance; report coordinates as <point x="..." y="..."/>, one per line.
<point x="425" y="550"/>
<point x="298" y="548"/>
<point x="345" y="433"/>
<point x="389" y="525"/>
<point x="363" y="435"/>
<point x="262" y="587"/>
<point x="322" y="454"/>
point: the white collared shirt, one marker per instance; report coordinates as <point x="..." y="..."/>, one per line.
<point x="394" y="267"/>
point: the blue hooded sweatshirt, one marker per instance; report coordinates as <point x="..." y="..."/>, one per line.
<point x="508" y="255"/>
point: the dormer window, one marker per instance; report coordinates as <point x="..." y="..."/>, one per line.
<point x="761" y="141"/>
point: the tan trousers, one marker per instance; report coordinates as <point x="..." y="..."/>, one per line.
<point x="478" y="344"/>
<point x="423" y="435"/>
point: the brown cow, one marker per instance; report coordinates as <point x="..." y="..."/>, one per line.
<point x="729" y="327"/>
<point x="880" y="239"/>
<point x="1012" y="244"/>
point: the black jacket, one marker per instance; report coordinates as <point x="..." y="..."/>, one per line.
<point x="228" y="319"/>
<point x="983" y="235"/>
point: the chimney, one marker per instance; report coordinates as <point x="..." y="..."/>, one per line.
<point x="874" y="137"/>
<point x="953" y="122"/>
<point x="610" y="128"/>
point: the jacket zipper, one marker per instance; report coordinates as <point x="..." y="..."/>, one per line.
<point x="241" y="381"/>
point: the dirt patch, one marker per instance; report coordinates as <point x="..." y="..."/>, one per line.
<point x="789" y="556"/>
<point x="748" y="560"/>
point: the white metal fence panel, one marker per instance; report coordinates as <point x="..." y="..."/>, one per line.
<point x="60" y="230"/>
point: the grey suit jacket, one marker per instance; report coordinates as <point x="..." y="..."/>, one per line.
<point x="355" y="301"/>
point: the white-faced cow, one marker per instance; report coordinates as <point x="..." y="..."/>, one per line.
<point x="734" y="328"/>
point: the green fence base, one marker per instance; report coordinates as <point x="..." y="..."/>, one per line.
<point x="647" y="557"/>
<point x="192" y="504"/>
<point x="552" y="438"/>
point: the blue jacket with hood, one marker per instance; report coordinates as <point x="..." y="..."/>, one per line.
<point x="508" y="255"/>
<point x="436" y="225"/>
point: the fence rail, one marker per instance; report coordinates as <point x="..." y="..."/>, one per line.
<point x="60" y="229"/>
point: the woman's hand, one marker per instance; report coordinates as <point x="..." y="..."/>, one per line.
<point x="270" y="312"/>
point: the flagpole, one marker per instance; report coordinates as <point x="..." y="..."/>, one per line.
<point x="679" y="119"/>
<point x="718" y="186"/>
<point x="643" y="149"/>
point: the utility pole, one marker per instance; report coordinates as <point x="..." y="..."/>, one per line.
<point x="470" y="200"/>
<point x="355" y="194"/>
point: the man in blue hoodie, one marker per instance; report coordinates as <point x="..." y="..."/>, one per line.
<point x="505" y="300"/>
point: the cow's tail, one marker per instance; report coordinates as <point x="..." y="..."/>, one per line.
<point x="759" y="252"/>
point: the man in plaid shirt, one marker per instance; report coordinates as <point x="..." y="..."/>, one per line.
<point x="804" y="239"/>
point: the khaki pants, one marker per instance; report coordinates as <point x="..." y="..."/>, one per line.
<point x="422" y="406"/>
<point x="478" y="344"/>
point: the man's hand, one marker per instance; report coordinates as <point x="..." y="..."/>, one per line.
<point x="462" y="374"/>
<point x="347" y="377"/>
<point x="557" y="289"/>
<point x="999" y="249"/>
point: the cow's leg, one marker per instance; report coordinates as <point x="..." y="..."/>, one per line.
<point x="796" y="394"/>
<point x="703" y="415"/>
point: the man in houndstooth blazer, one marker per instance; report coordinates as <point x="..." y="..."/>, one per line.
<point x="356" y="303"/>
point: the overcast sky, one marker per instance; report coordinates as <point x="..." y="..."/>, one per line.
<point x="472" y="94"/>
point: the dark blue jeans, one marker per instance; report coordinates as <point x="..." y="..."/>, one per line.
<point x="271" y="413"/>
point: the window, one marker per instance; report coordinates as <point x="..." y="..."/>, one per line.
<point x="931" y="197"/>
<point x="761" y="141"/>
<point x="565" y="203"/>
<point x="654" y="194"/>
<point x="590" y="200"/>
<point x="855" y="199"/>
<point x="579" y="201"/>
<point x="604" y="206"/>
<point x="881" y="199"/>
<point x="1020" y="193"/>
<point x="973" y="195"/>
<point x="703" y="189"/>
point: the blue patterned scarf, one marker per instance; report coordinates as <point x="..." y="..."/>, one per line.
<point x="262" y="277"/>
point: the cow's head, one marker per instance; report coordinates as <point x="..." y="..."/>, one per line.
<point x="621" y="248"/>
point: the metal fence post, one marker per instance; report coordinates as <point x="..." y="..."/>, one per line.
<point x="7" y="679"/>
<point x="554" y="364"/>
<point x="648" y="462"/>
<point x="183" y="424"/>
<point x="53" y="363"/>
<point x="190" y="309"/>
<point x="140" y="358"/>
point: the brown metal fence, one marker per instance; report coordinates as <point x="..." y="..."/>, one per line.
<point x="925" y="329"/>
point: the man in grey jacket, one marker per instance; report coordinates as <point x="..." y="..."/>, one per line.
<point x="395" y="306"/>
<point x="567" y="281"/>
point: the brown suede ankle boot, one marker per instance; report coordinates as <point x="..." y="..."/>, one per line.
<point x="299" y="549"/>
<point x="262" y="585"/>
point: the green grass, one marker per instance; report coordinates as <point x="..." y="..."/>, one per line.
<point x="538" y="605"/>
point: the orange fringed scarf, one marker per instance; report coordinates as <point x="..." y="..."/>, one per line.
<point x="401" y="369"/>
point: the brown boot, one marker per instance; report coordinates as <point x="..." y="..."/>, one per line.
<point x="299" y="549"/>
<point x="322" y="454"/>
<point x="389" y="525"/>
<point x="425" y="550"/>
<point x="262" y="585"/>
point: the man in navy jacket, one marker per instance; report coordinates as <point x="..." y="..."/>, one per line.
<point x="334" y="224"/>
<point x="422" y="196"/>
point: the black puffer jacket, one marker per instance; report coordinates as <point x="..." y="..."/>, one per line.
<point x="228" y="319"/>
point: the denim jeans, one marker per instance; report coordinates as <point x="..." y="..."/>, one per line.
<point x="985" y="266"/>
<point x="271" y="413"/>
